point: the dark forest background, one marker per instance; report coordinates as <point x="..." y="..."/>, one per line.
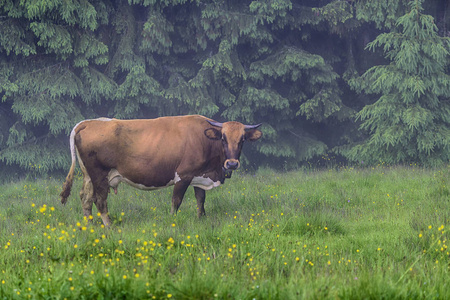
<point x="356" y="81"/>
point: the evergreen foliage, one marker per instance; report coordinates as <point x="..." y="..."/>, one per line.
<point x="285" y="63"/>
<point x="410" y="121"/>
<point x="47" y="48"/>
<point x="383" y="13"/>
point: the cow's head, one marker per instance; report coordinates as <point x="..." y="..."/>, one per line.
<point x="233" y="135"/>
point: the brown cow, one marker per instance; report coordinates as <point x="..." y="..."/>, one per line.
<point x="152" y="154"/>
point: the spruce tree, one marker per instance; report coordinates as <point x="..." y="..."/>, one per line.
<point x="48" y="57"/>
<point x="410" y="121"/>
<point x="281" y="62"/>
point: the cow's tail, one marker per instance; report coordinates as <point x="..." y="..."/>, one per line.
<point x="67" y="186"/>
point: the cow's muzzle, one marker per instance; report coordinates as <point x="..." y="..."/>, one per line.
<point x="231" y="164"/>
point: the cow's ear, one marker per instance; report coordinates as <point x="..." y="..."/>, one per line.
<point x="253" y="135"/>
<point x="213" y="134"/>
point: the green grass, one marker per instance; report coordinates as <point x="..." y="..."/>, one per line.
<point x="338" y="234"/>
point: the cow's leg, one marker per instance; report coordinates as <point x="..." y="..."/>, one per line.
<point x="101" y="187"/>
<point x="178" y="193"/>
<point x="200" y="195"/>
<point x="87" y="196"/>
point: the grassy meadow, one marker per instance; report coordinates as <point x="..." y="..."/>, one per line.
<point x="373" y="233"/>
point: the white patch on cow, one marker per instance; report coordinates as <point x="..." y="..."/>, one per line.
<point x="114" y="178"/>
<point x="204" y="183"/>
<point x="176" y="178"/>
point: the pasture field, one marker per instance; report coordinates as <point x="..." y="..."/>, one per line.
<point x="373" y="233"/>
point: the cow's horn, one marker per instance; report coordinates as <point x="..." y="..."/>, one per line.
<point x="214" y="123"/>
<point x="252" y="126"/>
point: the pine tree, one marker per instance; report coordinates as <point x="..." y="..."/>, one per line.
<point x="265" y="74"/>
<point x="281" y="62"/>
<point x="48" y="55"/>
<point x="383" y="13"/>
<point x="410" y="121"/>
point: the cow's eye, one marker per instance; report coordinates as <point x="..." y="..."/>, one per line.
<point x="224" y="139"/>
